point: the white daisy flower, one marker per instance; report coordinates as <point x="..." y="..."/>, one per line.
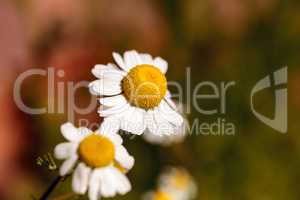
<point x="134" y="95"/>
<point x="178" y="181"/>
<point x="178" y="136"/>
<point x="99" y="158"/>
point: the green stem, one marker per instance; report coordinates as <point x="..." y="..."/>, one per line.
<point x="51" y="187"/>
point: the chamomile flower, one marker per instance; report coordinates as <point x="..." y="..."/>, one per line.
<point x="178" y="181"/>
<point x="178" y="136"/>
<point x="134" y="94"/>
<point x="99" y="159"/>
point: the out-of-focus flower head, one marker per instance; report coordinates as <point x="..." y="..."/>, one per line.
<point x="175" y="183"/>
<point x="178" y="181"/>
<point x="159" y="195"/>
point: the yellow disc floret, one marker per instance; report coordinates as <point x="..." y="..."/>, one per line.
<point x="160" y="195"/>
<point x="96" y="151"/>
<point x="144" y="86"/>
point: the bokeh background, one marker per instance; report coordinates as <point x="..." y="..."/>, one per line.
<point x="232" y="40"/>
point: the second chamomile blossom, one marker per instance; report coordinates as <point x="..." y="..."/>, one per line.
<point x="99" y="161"/>
<point x="134" y="94"/>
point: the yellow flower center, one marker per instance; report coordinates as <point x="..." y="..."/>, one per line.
<point x="96" y="151"/>
<point x="160" y="195"/>
<point x="144" y="86"/>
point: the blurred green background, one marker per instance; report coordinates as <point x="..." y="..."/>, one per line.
<point x="232" y="40"/>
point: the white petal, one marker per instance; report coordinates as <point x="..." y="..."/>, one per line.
<point x="110" y="125"/>
<point x="133" y="120"/>
<point x="81" y="178"/>
<point x="150" y="122"/>
<point x="166" y="140"/>
<point x="113" y="182"/>
<point x="115" y="138"/>
<point x="161" y="64"/>
<point x="153" y="138"/>
<point x="83" y="131"/>
<point x="136" y="57"/>
<point x="119" y="60"/>
<point x="113" y="101"/>
<point x="99" y="67"/>
<point x="108" y="183"/>
<point x="105" y="87"/>
<point x="122" y="182"/>
<point x="110" y="66"/>
<point x="157" y="124"/>
<point x="168" y="94"/>
<point x="171" y="103"/>
<point x="105" y="111"/>
<point x="175" y="105"/>
<point x="116" y="75"/>
<point x="127" y="58"/>
<point x="109" y="128"/>
<point x="163" y="126"/>
<point x="146" y="58"/>
<point x="96" y="71"/>
<point x="169" y="114"/>
<point x="108" y="73"/>
<point x="68" y="165"/>
<point x="94" y="186"/>
<point x="70" y="132"/>
<point x="113" y="66"/>
<point x="123" y="157"/>
<point x="65" y="150"/>
<point x="131" y="59"/>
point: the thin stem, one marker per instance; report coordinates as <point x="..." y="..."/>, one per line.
<point x="52" y="187"/>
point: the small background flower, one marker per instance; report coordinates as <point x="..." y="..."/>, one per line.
<point x="174" y="183"/>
